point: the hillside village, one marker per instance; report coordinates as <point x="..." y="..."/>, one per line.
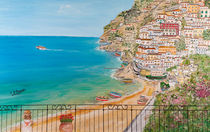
<point x="160" y="34"/>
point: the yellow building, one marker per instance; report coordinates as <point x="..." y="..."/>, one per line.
<point x="165" y="49"/>
<point x="197" y="32"/>
<point x="193" y="8"/>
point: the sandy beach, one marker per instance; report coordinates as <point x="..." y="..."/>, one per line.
<point x="101" y="117"/>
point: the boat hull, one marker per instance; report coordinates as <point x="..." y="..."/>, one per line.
<point x="127" y="81"/>
<point x="116" y="54"/>
<point x="141" y="103"/>
<point x="115" y="95"/>
<point x="99" y="99"/>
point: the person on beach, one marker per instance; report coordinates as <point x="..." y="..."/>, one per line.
<point x="27" y="122"/>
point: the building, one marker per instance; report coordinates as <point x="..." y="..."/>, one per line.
<point x="157" y="72"/>
<point x="204" y="12"/>
<point x="170" y="29"/>
<point x="144" y="41"/>
<point x="197" y="32"/>
<point x="165" y="49"/>
<point x="193" y="8"/>
<point x="147" y="49"/>
<point x="202" y="49"/>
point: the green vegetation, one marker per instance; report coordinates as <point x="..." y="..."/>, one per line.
<point x="137" y="4"/>
<point x="180" y="45"/>
<point x="171" y="68"/>
<point x="184" y="23"/>
<point x="122" y="14"/>
<point x="112" y="36"/>
<point x="207" y="3"/>
<point x="164" y="86"/>
<point x="147" y="19"/>
<point x="155" y="77"/>
<point x="136" y="48"/>
<point x="108" y="27"/>
<point x="129" y="15"/>
<point x="186" y="62"/>
<point x="130" y="28"/>
<point x="206" y="34"/>
<point x="185" y="107"/>
<point x="203" y="62"/>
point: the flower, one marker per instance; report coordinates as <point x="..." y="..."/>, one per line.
<point x="66" y="118"/>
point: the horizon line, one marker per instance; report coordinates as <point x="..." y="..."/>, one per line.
<point x="52" y="36"/>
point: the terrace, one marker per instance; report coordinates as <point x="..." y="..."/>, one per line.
<point x="107" y="118"/>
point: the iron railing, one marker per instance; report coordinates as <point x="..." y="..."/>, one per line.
<point x="107" y="118"/>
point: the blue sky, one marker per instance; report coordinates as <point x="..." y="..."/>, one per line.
<point x="58" y="17"/>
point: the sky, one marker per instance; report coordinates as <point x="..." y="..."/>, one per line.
<point x="58" y="17"/>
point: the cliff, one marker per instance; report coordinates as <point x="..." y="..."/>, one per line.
<point x="122" y="32"/>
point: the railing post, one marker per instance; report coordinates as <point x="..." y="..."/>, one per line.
<point x="159" y="118"/>
<point x="21" y="110"/>
<point x="131" y="119"/>
<point x="188" y="119"/>
<point x="103" y="117"/>
<point x="75" y="118"/>
<point x="47" y="120"/>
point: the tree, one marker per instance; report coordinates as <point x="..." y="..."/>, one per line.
<point x="180" y="45"/>
<point x="137" y="4"/>
<point x="207" y="3"/>
<point x="206" y="34"/>
<point x="183" y="23"/>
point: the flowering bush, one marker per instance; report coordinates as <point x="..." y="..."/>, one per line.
<point x="66" y="118"/>
<point x="185" y="107"/>
<point x="202" y="90"/>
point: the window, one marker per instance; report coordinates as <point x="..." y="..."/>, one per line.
<point x="205" y="15"/>
<point x="206" y="11"/>
<point x="201" y="11"/>
<point x="201" y="15"/>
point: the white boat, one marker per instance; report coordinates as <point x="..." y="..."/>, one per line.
<point x="41" y="47"/>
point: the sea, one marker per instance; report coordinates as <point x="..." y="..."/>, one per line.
<point x="72" y="70"/>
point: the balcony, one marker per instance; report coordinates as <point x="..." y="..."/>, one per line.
<point x="106" y="118"/>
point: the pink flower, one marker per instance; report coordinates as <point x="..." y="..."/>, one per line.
<point x="202" y="93"/>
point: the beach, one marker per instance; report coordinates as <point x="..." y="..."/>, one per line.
<point x="88" y="120"/>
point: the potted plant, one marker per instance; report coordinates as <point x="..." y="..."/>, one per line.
<point x="66" y="123"/>
<point x="27" y="122"/>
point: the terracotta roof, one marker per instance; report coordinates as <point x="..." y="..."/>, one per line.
<point x="176" y="10"/>
<point x="167" y="47"/>
<point x="145" y="48"/>
<point x="146" y="39"/>
<point x="140" y="58"/>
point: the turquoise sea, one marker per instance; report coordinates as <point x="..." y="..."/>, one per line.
<point x="70" y="71"/>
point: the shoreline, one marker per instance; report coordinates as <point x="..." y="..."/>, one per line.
<point x="130" y="99"/>
<point x="147" y="89"/>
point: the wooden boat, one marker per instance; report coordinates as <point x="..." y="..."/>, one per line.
<point x="142" y="101"/>
<point x="115" y="94"/>
<point x="117" y="54"/>
<point x="17" y="92"/>
<point x="122" y="66"/>
<point x="41" y="47"/>
<point x="102" y="98"/>
<point x="127" y="80"/>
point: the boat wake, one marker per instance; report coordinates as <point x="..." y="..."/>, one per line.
<point x="55" y="49"/>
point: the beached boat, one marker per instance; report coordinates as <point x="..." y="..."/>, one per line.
<point x="114" y="94"/>
<point x="102" y="98"/>
<point x="127" y="80"/>
<point x="41" y="47"/>
<point x="142" y="101"/>
<point x="117" y="54"/>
